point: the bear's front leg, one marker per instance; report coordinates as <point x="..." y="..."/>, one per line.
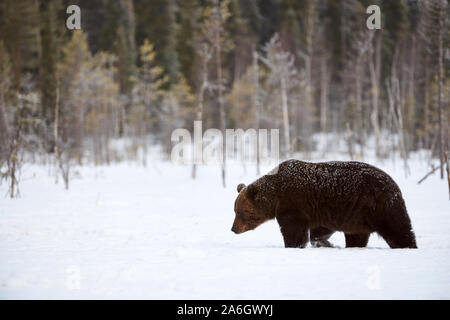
<point x="294" y="232"/>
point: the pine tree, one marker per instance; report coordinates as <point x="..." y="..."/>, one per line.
<point x="19" y="30"/>
<point x="50" y="53"/>
<point x="148" y="91"/>
<point x="5" y="83"/>
<point x="243" y="37"/>
<point x="126" y="45"/>
<point x="186" y="46"/>
<point x="157" y="21"/>
<point x="126" y="51"/>
<point x="71" y="73"/>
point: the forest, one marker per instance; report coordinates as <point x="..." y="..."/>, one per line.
<point x="138" y="69"/>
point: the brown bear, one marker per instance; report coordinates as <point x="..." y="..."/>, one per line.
<point x="321" y="198"/>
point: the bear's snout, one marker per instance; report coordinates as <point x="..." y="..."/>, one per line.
<point x="237" y="229"/>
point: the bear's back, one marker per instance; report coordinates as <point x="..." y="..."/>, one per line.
<point x="335" y="178"/>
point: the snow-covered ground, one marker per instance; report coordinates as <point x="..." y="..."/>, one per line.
<point x="131" y="232"/>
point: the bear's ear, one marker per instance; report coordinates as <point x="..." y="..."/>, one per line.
<point x="240" y="187"/>
<point x="252" y="190"/>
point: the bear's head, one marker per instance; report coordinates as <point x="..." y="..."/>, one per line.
<point x="247" y="215"/>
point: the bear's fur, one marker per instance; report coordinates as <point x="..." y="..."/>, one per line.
<point x="321" y="198"/>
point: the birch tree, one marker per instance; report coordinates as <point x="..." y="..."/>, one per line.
<point x="283" y="73"/>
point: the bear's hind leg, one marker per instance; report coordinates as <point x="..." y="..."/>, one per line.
<point x="395" y="227"/>
<point x="319" y="237"/>
<point x="356" y="240"/>
<point x="398" y="237"/>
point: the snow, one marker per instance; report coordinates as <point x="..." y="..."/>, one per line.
<point x="123" y="231"/>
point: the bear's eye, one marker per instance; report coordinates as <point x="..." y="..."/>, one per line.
<point x="241" y="214"/>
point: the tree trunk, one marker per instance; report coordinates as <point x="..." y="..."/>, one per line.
<point x="395" y="106"/>
<point x="55" y="136"/>
<point x="426" y="106"/>
<point x="284" y="104"/>
<point x="358" y="102"/>
<point x="205" y="56"/>
<point x="14" y="150"/>
<point x="410" y="102"/>
<point x="218" y="46"/>
<point x="4" y="129"/>
<point x="442" y="146"/>
<point x="374" y="67"/>
<point x="256" y="106"/>
<point x="324" y="100"/>
<point x="447" y="162"/>
<point x="307" y="121"/>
